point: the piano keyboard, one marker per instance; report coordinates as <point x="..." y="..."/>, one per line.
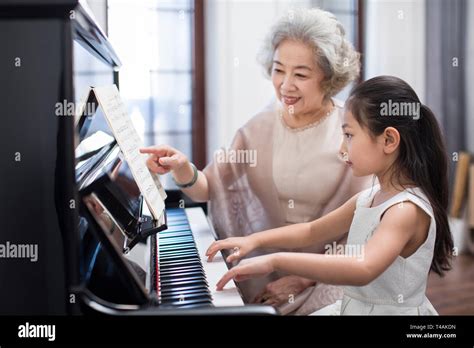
<point x="184" y="278"/>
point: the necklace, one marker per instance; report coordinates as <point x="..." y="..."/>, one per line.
<point x="308" y="126"/>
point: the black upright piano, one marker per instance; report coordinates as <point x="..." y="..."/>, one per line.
<point x="67" y="191"/>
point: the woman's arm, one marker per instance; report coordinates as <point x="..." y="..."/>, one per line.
<point x="164" y="159"/>
<point x="398" y="227"/>
<point x="199" y="192"/>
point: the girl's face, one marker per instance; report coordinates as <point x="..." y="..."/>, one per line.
<point x="296" y="78"/>
<point x="365" y="154"/>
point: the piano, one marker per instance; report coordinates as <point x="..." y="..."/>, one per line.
<point x="67" y="189"/>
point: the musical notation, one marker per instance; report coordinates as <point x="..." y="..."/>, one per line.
<point x="130" y="142"/>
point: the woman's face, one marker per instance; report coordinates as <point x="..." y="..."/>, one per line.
<point x="296" y="78"/>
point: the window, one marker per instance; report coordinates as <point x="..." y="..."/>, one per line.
<point x="155" y="41"/>
<point x="348" y="12"/>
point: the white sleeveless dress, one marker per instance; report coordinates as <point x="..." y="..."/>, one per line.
<point x="400" y="290"/>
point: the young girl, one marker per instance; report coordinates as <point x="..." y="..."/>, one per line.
<point x="399" y="228"/>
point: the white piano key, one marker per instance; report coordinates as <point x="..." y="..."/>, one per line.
<point x="204" y="236"/>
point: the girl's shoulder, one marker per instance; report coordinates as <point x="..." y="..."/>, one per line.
<point x="411" y="194"/>
<point x="419" y="198"/>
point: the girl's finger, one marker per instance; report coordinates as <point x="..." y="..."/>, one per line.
<point x="210" y="256"/>
<point x="211" y="252"/>
<point x="211" y="247"/>
<point x="218" y="246"/>
<point x="225" y="279"/>
<point x="232" y="258"/>
<point x="242" y="277"/>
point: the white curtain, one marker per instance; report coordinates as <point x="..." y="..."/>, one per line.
<point x="395" y="41"/>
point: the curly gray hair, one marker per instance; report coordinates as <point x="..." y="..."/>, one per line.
<point x="319" y="29"/>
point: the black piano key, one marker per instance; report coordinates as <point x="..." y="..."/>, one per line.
<point x="179" y="260"/>
<point x="177" y="228"/>
<point x="187" y="305"/>
<point x="173" y="275"/>
<point x="183" y="274"/>
<point x="177" y="263"/>
<point x="178" y="247"/>
<point x="176" y="216"/>
<point x="169" y="237"/>
<point x="178" y="293"/>
<point x="169" y="265"/>
<point x="183" y="298"/>
<point x="182" y="252"/>
<point x="172" y="285"/>
<point x="176" y="240"/>
<point x="178" y="255"/>
<point x="178" y="223"/>
<point x="165" y="236"/>
<point x="176" y="232"/>
<point x="194" y="287"/>
<point x="179" y="252"/>
<point x="181" y="269"/>
<point x="174" y="247"/>
<point x="182" y="280"/>
<point x="168" y="299"/>
<point x="187" y="302"/>
<point x="164" y="281"/>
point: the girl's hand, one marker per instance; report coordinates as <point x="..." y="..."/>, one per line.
<point x="164" y="158"/>
<point x="240" y="247"/>
<point x="251" y="268"/>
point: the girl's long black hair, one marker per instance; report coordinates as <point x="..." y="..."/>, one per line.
<point x="422" y="156"/>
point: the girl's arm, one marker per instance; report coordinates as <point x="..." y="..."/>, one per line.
<point x="398" y="226"/>
<point x="326" y="228"/>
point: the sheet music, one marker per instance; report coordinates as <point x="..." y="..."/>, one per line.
<point x="130" y="143"/>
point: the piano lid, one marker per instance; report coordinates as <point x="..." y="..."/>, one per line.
<point x="86" y="30"/>
<point x="89" y="34"/>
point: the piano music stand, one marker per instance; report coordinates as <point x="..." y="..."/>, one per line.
<point x="101" y="174"/>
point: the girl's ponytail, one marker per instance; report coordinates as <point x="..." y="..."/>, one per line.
<point x="436" y="186"/>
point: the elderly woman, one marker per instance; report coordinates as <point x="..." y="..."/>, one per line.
<point x="296" y="173"/>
